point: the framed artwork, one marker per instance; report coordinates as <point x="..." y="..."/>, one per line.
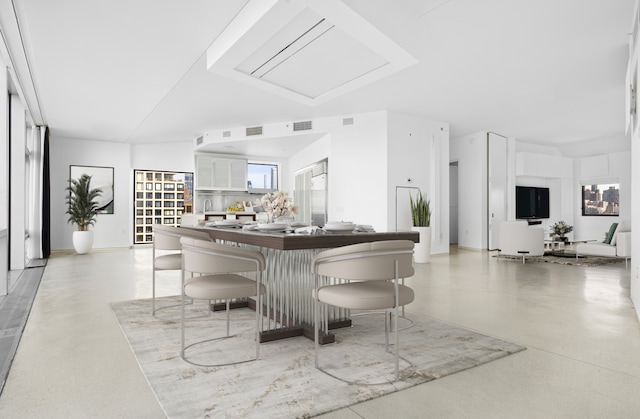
<point x="101" y="178"/>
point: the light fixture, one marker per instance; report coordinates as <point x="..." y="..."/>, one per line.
<point x="306" y="50"/>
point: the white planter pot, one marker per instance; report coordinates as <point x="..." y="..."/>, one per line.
<point x="82" y="241"/>
<point x="422" y="250"/>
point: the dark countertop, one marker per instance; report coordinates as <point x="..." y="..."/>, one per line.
<point x="292" y="241"/>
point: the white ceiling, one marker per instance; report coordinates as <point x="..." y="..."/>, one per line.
<point x="544" y="71"/>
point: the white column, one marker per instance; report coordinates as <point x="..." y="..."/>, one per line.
<point x="4" y="181"/>
<point x="34" y="242"/>
<point x="17" y="181"/>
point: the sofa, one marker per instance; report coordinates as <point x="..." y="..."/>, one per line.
<point x="616" y="244"/>
<point x="517" y="238"/>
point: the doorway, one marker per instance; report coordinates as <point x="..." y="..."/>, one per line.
<point x="453" y="203"/>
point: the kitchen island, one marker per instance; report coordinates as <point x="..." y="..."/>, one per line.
<point x="288" y="303"/>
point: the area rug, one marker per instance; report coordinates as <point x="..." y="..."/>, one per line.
<point x="586" y="261"/>
<point x="284" y="383"/>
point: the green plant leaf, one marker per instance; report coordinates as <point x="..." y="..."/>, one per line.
<point x="420" y="211"/>
<point x="82" y="206"/>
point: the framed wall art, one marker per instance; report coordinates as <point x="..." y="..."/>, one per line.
<point x="101" y="178"/>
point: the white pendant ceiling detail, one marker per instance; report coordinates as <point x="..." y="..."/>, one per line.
<point x="310" y="51"/>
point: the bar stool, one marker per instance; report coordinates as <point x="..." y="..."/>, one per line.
<point x="220" y="265"/>
<point x="167" y="240"/>
<point x="372" y="272"/>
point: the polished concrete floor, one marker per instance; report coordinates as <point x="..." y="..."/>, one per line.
<point x="578" y="324"/>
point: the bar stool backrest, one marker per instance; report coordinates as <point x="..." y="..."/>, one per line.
<point x="168" y="237"/>
<point x="201" y="256"/>
<point x="367" y="261"/>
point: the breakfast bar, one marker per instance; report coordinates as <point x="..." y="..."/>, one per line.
<point x="288" y="304"/>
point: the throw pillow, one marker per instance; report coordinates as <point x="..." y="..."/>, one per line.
<point x="612" y="230"/>
<point x="623" y="226"/>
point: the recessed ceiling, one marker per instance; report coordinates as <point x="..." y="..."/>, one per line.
<point x="315" y="50"/>
<point x="544" y="72"/>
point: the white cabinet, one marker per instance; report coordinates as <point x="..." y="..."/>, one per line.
<point x="220" y="173"/>
<point x="543" y="165"/>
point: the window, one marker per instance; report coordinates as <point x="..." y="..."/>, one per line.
<point x="601" y="199"/>
<point x="262" y="176"/>
<point x="158" y="206"/>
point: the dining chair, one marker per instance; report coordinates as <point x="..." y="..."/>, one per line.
<point x="220" y="266"/>
<point x="167" y="254"/>
<point x="364" y="276"/>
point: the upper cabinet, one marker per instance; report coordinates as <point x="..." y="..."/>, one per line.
<point x="543" y="165"/>
<point x="220" y="173"/>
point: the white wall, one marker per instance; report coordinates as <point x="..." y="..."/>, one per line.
<point x="470" y="151"/>
<point x="17" y="195"/>
<point x="378" y="152"/>
<point x="418" y="149"/>
<point x="110" y="230"/>
<point x="358" y="170"/>
<point x="318" y="150"/>
<point x="606" y="168"/>
<point x="544" y="166"/>
<point x="453" y="204"/>
<point x="357" y="166"/>
<point x="635" y="221"/>
<point x="4" y="181"/>
<point x="176" y="156"/>
<point x="116" y="230"/>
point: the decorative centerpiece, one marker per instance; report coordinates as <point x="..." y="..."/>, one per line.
<point x="560" y="229"/>
<point x="279" y="206"/>
<point x="83" y="211"/>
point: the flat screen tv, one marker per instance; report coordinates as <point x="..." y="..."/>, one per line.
<point x="532" y="202"/>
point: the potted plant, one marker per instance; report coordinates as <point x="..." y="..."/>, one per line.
<point x="560" y="229"/>
<point x="421" y="216"/>
<point x="83" y="211"/>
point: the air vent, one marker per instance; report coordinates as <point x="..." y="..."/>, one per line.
<point x="226" y="134"/>
<point x="302" y="126"/>
<point x="199" y="140"/>
<point x="319" y="168"/>
<point x="253" y="131"/>
<point x="308" y="51"/>
<point x="347" y="121"/>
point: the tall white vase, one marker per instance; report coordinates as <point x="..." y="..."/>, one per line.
<point x="82" y="241"/>
<point x="422" y="250"/>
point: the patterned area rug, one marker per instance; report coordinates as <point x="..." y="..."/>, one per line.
<point x="570" y="259"/>
<point x="284" y="381"/>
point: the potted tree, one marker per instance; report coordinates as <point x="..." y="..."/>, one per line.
<point x="83" y="211"/>
<point x="421" y="216"/>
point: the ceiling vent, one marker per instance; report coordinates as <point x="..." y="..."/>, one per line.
<point x="302" y="126"/>
<point x="199" y="140"/>
<point x="319" y="168"/>
<point x="226" y="134"/>
<point x="309" y="51"/>
<point x="311" y="56"/>
<point x="253" y="131"/>
<point x="347" y="121"/>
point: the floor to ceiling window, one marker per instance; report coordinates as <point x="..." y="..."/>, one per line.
<point x="160" y="198"/>
<point x="4" y="189"/>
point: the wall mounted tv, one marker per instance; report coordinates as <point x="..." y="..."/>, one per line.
<point x="532" y="202"/>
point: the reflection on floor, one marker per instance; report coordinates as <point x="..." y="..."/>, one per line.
<point x="578" y="324"/>
<point x="14" y="311"/>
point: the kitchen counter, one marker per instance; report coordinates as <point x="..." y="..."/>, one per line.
<point x="226" y="215"/>
<point x="288" y="275"/>
<point x="292" y="241"/>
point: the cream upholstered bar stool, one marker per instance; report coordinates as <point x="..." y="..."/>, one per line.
<point x="370" y="274"/>
<point x="167" y="254"/>
<point x="220" y="265"/>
